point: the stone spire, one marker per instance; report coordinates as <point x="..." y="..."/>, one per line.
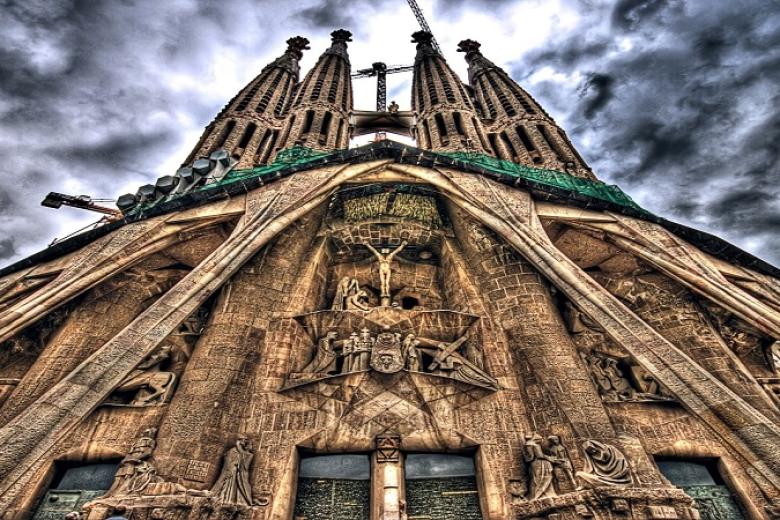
<point x="446" y="117"/>
<point x="319" y="117"/>
<point x="249" y="125"/>
<point x="519" y="129"/>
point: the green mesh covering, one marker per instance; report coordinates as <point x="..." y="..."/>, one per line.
<point x="299" y="155"/>
<point x="595" y="189"/>
<point x="286" y="158"/>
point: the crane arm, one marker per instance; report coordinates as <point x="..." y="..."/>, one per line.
<point x="423" y="24"/>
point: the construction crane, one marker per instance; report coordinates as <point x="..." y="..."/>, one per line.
<point x="381" y="70"/>
<point x="423" y="24"/>
<point x="57" y="200"/>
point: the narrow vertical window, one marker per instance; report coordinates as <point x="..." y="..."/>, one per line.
<point x="458" y="123"/>
<point x="525" y="139"/>
<point x="325" y="127"/>
<point x="225" y="134"/>
<point x="308" y="122"/>
<point x="440" y="126"/>
<point x="427" y="132"/>
<point x="338" y="134"/>
<point x="509" y="146"/>
<point x="248" y="133"/>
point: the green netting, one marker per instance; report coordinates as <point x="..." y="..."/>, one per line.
<point x="595" y="189"/>
<point x="294" y="156"/>
<point x="299" y="155"/>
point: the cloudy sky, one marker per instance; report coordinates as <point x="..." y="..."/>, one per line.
<point x="675" y="101"/>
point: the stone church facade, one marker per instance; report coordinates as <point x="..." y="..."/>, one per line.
<point x="473" y="328"/>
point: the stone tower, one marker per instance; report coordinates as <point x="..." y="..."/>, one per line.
<point x="475" y="328"/>
<point x="519" y="129"/>
<point x="446" y="117"/>
<point x="249" y="125"/>
<point x="319" y="117"/>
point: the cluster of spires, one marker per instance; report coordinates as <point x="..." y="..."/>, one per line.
<point x="491" y="115"/>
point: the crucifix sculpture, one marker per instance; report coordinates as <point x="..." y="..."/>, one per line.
<point x="385" y="257"/>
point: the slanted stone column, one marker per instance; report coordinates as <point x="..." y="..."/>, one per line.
<point x="105" y="311"/>
<point x="561" y="397"/>
<point x="210" y="407"/>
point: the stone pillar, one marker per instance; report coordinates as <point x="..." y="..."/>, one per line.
<point x="215" y="396"/>
<point x="387" y="479"/>
<point x="105" y="311"/>
<point x="560" y="396"/>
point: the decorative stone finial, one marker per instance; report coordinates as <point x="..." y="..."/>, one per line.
<point x="422" y="38"/>
<point x="469" y="47"/>
<point x="341" y="36"/>
<point x="296" y="45"/>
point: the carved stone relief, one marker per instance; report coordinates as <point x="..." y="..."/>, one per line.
<point x="604" y="465"/>
<point x="616" y="376"/>
<point x="233" y="486"/>
<point x="549" y="469"/>
<point x="135" y="472"/>
<point x="390" y="351"/>
<point x="154" y="379"/>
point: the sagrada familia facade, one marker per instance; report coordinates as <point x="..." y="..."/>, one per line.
<point x="472" y="328"/>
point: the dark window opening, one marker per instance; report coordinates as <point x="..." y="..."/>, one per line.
<point x="286" y="94"/>
<point x="307" y="123"/>
<point x="315" y="91"/>
<point x="552" y="143"/>
<point x="458" y="123"/>
<point x="427" y="132"/>
<point x="509" y="146"/>
<point x="440" y="126"/>
<point x="432" y="94"/>
<point x="248" y="133"/>
<point x="261" y="147"/>
<point x="338" y="134"/>
<point x="525" y="139"/>
<point x="325" y="127"/>
<point x="334" y="83"/>
<point x="439" y="484"/>
<point x="701" y="479"/>
<point x="494" y="146"/>
<point x="409" y="302"/>
<point x="334" y="487"/>
<point x="225" y="134"/>
<point x="488" y="100"/>
<point x="288" y="130"/>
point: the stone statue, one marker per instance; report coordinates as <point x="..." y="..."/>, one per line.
<point x="324" y="360"/>
<point x="135" y="472"/>
<point x="559" y="456"/>
<point x="540" y="468"/>
<point x="346" y="353"/>
<point x="385" y="258"/>
<point x="411" y="353"/>
<point x="232" y="486"/>
<point x="362" y="351"/>
<point x="609" y="379"/>
<point x="357" y="301"/>
<point x="620" y="385"/>
<point x="604" y="465"/>
<point x="346" y="288"/>
<point x="151" y="383"/>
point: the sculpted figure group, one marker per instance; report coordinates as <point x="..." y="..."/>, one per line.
<point x="550" y="470"/>
<point x="137" y="476"/>
<point x="390" y="352"/>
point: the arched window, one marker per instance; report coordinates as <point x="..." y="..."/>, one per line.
<point x="325" y="127"/>
<point x="441" y="127"/>
<point x="307" y="123"/>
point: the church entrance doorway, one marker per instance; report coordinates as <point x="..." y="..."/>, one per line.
<point x="333" y="487"/>
<point x="701" y="480"/>
<point x="73" y="486"/>
<point x="441" y="487"/>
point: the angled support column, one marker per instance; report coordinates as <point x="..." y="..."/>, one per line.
<point x="100" y="260"/>
<point x="511" y="214"/>
<point x="26" y="441"/>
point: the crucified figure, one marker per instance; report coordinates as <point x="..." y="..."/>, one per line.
<point x="385" y="257"/>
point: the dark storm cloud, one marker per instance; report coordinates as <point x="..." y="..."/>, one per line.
<point x="677" y="103"/>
